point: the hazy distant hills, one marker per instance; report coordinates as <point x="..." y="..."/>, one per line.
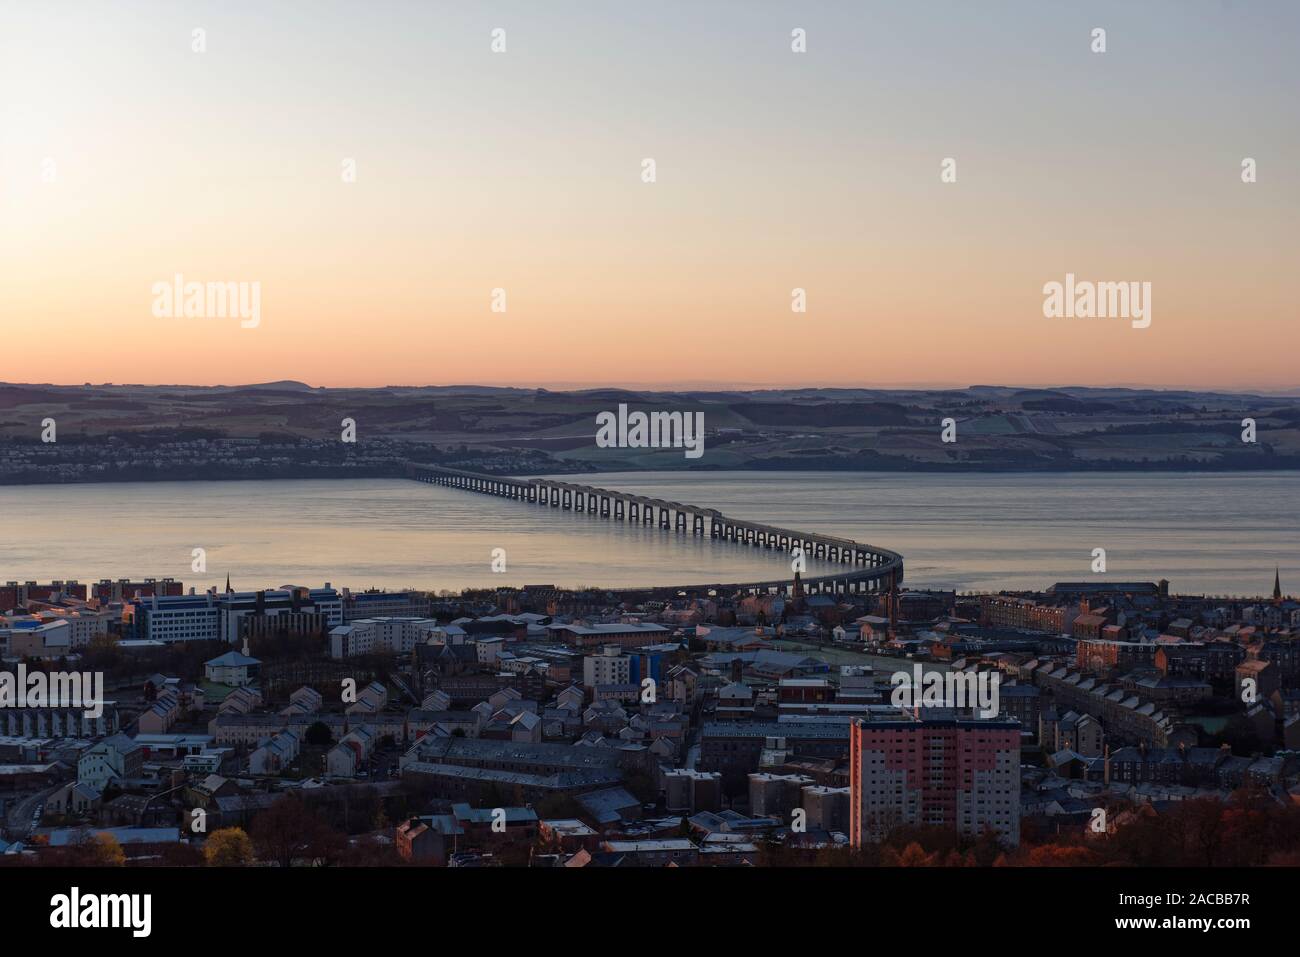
<point x="997" y="427"/>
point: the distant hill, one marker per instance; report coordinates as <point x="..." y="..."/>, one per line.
<point x="536" y="431"/>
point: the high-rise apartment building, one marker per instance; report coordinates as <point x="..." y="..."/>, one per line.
<point x="952" y="772"/>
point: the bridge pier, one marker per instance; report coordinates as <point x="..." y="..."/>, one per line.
<point x="872" y="570"/>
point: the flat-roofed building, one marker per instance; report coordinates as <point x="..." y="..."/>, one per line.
<point x="955" y="773"/>
<point x="621" y="634"/>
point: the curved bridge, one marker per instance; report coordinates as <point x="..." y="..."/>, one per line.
<point x="872" y="569"/>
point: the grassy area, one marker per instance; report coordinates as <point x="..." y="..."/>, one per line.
<point x="215" y="693"/>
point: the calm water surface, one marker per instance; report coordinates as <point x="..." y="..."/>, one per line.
<point x="1217" y="533"/>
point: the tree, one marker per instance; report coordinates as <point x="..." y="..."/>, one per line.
<point x="1252" y="827"/>
<point x="1151" y="840"/>
<point x="103" y="850"/>
<point x="641" y="785"/>
<point x="365" y="852"/>
<point x="1055" y="855"/>
<point x="181" y="855"/>
<point x="293" y="830"/>
<point x="228" y="847"/>
<point x="563" y="805"/>
<point x="318" y="735"/>
<point x="327" y="845"/>
<point x="915" y="856"/>
<point x="1202" y="820"/>
<point x="275" y="831"/>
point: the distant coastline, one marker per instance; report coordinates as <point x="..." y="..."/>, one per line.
<point x="298" y="474"/>
<point x="65" y="434"/>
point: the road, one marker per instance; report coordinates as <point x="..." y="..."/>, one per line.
<point x="19" y="824"/>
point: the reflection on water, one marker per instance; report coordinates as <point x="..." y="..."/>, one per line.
<point x="1206" y="532"/>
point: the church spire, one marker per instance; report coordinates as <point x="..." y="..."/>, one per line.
<point x="1277" y="584"/>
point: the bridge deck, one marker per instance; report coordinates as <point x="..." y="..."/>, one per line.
<point x="874" y="569"/>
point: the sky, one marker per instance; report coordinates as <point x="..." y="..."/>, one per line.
<point x="127" y="157"/>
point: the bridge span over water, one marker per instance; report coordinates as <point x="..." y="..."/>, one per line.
<point x="868" y="568"/>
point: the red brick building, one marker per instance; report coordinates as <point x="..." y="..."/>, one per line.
<point x="961" y="774"/>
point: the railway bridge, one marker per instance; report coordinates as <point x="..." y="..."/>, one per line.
<point x="867" y="568"/>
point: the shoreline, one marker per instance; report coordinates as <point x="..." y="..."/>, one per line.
<point x="936" y="469"/>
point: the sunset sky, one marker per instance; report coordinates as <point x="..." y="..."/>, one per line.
<point x="776" y="170"/>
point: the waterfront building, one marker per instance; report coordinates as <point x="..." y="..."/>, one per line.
<point x="106" y="590"/>
<point x="16" y="595"/>
<point x="234" y="616"/>
<point x="176" y="618"/>
<point x="1026" y="614"/>
<point x="383" y="604"/>
<point x="296" y="610"/>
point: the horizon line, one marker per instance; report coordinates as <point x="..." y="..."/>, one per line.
<point x="685" y="385"/>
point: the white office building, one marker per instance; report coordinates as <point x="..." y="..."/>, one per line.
<point x="610" y="667"/>
<point x="365" y="636"/>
